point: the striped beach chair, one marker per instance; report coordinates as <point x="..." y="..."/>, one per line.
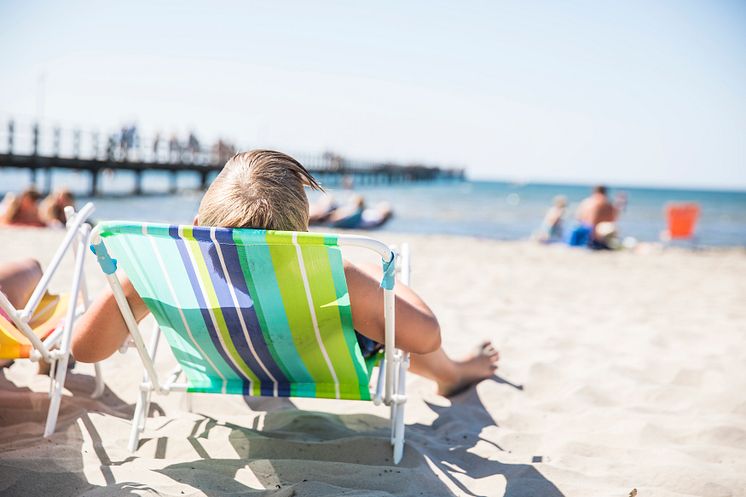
<point x="251" y="312"/>
<point x="42" y="330"/>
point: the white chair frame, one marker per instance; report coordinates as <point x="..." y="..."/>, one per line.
<point x="55" y="348"/>
<point x="390" y="385"/>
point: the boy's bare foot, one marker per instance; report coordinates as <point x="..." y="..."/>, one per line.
<point x="472" y="370"/>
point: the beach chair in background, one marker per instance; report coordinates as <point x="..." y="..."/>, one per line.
<point x="43" y="329"/>
<point x="681" y="219"/>
<point x="252" y="312"/>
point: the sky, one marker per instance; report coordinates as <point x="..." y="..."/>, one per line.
<point x="622" y="92"/>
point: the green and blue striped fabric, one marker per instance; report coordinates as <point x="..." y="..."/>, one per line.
<point x="253" y="312"/>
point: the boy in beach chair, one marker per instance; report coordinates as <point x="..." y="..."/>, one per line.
<point x="265" y="190"/>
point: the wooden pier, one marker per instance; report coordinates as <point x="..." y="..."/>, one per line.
<point x="151" y="155"/>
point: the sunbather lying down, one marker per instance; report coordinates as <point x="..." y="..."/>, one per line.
<point x="265" y="190"/>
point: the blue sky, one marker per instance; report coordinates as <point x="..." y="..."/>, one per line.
<point x="650" y="93"/>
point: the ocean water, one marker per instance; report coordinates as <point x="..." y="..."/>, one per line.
<point x="495" y="210"/>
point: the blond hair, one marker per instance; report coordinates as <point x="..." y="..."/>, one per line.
<point x="258" y="189"/>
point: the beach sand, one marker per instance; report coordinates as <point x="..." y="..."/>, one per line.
<point x="618" y="371"/>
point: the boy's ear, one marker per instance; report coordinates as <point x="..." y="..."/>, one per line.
<point x="195" y="221"/>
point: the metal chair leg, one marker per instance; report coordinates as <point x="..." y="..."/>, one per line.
<point x="138" y="421"/>
<point x="58" y="381"/>
<point x="394" y="412"/>
<point x="145" y="410"/>
<point x="399" y="437"/>
<point x="401" y="398"/>
<point x="98" y="391"/>
<point x="143" y="400"/>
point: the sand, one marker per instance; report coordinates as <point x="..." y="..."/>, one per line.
<point x="618" y="371"/>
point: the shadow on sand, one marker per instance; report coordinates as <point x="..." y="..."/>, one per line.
<point x="32" y="465"/>
<point x="310" y="453"/>
<point x="285" y="452"/>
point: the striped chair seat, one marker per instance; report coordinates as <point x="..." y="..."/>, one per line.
<point x="249" y="312"/>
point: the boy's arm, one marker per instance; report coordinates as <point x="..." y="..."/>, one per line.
<point x="417" y="329"/>
<point x="102" y="330"/>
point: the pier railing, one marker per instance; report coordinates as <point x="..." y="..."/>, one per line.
<point x="41" y="149"/>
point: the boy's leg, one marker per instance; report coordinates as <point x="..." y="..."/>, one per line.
<point x="452" y="376"/>
<point x="18" y="280"/>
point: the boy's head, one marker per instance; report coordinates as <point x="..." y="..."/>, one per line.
<point x="258" y="189"/>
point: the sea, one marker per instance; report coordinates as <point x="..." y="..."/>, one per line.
<point x="485" y="209"/>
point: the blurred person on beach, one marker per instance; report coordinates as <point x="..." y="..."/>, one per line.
<point x="319" y="211"/>
<point x="264" y="189"/>
<point x="52" y="208"/>
<point x="376" y="216"/>
<point x="8" y="200"/>
<point x="22" y="210"/>
<point x="551" y="226"/>
<point x="350" y="215"/>
<point x="597" y="217"/>
<point x="354" y="215"/>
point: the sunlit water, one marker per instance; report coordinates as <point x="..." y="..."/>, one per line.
<point x="485" y="209"/>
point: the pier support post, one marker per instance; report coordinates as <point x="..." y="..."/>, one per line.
<point x="56" y="142"/>
<point x="138" y="182"/>
<point x="11" y="136"/>
<point x="94" y="182"/>
<point x="76" y="143"/>
<point x="48" y="181"/>
<point x="203" y="179"/>
<point x="174" y="178"/>
<point x="35" y="139"/>
<point x="94" y="144"/>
